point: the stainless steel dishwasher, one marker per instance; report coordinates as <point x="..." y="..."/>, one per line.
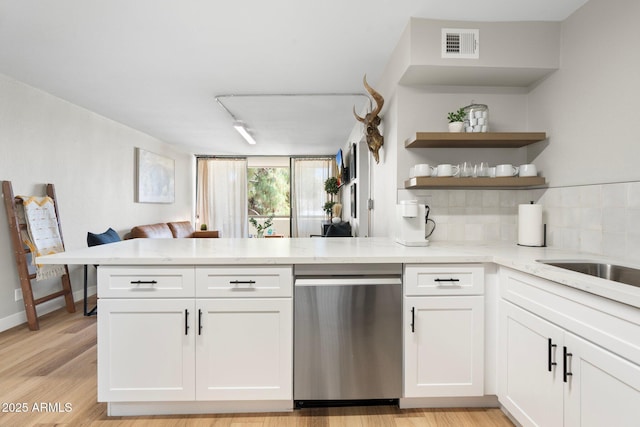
<point x="347" y="334"/>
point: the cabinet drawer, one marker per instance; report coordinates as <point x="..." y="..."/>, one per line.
<point x="444" y="279"/>
<point x="146" y="282"/>
<point x="238" y="282"/>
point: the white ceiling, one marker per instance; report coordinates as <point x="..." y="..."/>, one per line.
<point x="157" y="65"/>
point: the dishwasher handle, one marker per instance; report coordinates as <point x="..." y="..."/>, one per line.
<point x="348" y="281"/>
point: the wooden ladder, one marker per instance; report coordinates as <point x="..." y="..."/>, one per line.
<point x="21" y="251"/>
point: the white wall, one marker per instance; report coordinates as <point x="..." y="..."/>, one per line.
<point x="383" y="175"/>
<point x="90" y="159"/>
<point x="589" y="107"/>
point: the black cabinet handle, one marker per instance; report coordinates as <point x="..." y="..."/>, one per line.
<point x="186" y="322"/>
<point x="413" y="319"/>
<point x="565" y="369"/>
<point x="550" y="362"/>
<point x="446" y="280"/>
<point x="238" y="282"/>
<point x="199" y="322"/>
<point x="143" y="282"/>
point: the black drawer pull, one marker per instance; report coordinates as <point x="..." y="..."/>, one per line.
<point x="413" y="319"/>
<point x="446" y="280"/>
<point x="199" y="322"/>
<point x="550" y="362"/>
<point x="565" y="371"/>
<point x="186" y="322"/>
<point x="143" y="282"/>
<point x="239" y="282"/>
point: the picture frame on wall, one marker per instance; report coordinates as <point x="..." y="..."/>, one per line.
<point x="354" y="212"/>
<point x="352" y="162"/>
<point x="155" y="177"/>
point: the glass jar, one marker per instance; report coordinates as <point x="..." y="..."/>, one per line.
<point x="476" y="118"/>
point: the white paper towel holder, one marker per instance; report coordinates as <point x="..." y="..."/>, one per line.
<point x="544" y="238"/>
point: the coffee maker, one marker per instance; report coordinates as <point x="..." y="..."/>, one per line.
<point x="411" y="223"/>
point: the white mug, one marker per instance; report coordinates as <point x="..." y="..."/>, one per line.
<point x="506" y="170"/>
<point x="447" y="170"/>
<point x="423" y="169"/>
<point x="528" y="170"/>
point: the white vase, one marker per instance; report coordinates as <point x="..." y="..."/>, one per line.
<point x="456" y="126"/>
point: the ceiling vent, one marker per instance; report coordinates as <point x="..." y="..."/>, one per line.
<point x="457" y="43"/>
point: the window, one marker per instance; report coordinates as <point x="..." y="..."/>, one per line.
<point x="268" y="195"/>
<point x="268" y="191"/>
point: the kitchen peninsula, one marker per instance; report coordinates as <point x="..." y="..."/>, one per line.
<point x="241" y="291"/>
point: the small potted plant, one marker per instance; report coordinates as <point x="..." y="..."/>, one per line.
<point x="328" y="208"/>
<point x="331" y="186"/>
<point x="456" y="120"/>
<point x="260" y="228"/>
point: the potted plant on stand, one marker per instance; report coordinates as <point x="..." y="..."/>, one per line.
<point x="331" y="186"/>
<point x="456" y="120"/>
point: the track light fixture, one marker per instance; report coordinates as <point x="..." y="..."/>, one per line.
<point x="242" y="130"/>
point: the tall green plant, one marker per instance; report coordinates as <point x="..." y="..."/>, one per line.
<point x="331" y="186"/>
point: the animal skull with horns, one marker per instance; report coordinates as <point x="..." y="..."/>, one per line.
<point x="371" y="122"/>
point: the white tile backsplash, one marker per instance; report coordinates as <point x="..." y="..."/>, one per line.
<point x="474" y="215"/>
<point x="614" y="195"/>
<point x="600" y="219"/>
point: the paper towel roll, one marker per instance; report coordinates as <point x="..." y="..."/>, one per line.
<point x="530" y="228"/>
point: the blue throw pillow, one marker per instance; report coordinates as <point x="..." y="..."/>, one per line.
<point x="108" y="236"/>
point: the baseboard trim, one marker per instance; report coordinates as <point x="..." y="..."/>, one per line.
<point x="450" y="402"/>
<point x="20" y="318"/>
<point x="196" y="407"/>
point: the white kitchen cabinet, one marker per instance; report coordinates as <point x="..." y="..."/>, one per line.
<point x="244" y="349"/>
<point x="244" y="282"/>
<point x="443" y="330"/>
<point x="530" y="375"/>
<point x="444" y="346"/>
<point x="444" y="279"/>
<point x="145" y="282"/>
<point x="156" y="347"/>
<point x="146" y="350"/>
<point x="603" y="389"/>
<point x="566" y="357"/>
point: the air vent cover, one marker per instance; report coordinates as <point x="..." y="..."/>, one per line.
<point x="460" y="43"/>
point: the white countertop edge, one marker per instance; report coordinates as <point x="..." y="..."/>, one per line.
<point x="199" y="252"/>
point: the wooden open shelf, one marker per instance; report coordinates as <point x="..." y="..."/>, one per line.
<point x="474" y="140"/>
<point x="451" y="182"/>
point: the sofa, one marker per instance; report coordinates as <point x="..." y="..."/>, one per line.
<point x="178" y="230"/>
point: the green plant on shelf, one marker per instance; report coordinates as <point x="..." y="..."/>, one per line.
<point x="456" y="116"/>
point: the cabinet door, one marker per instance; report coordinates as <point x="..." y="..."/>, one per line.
<point x="444" y="346"/>
<point x="244" y="349"/>
<point x="146" y="350"/>
<point x="530" y="367"/>
<point x="603" y="389"/>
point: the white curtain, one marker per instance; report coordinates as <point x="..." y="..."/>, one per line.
<point x="222" y="196"/>
<point x="307" y="194"/>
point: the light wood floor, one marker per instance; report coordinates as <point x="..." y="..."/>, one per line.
<point x="57" y="366"/>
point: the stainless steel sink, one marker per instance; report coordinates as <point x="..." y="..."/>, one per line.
<point x="617" y="273"/>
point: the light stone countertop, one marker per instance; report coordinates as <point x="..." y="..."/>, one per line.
<point x="347" y="251"/>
